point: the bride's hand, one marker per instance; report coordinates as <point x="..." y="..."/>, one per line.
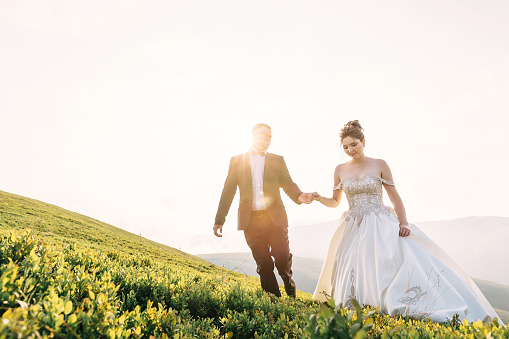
<point x="404" y="231"/>
<point x="316" y="196"/>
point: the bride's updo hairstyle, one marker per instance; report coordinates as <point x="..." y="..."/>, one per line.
<point x="352" y="129"/>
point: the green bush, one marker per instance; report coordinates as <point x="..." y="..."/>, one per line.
<point x="332" y="322"/>
<point x="66" y="290"/>
<point x="90" y="294"/>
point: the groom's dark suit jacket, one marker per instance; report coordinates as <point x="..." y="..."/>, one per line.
<point x="275" y="175"/>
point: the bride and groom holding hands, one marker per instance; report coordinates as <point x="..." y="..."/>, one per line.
<point x="374" y="255"/>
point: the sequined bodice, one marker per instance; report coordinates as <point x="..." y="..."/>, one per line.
<point x="364" y="195"/>
<point x="363" y="192"/>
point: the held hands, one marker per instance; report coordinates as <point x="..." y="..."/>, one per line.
<point x="307" y="198"/>
<point x="316" y="196"/>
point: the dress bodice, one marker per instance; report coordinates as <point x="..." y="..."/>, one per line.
<point x="365" y="195"/>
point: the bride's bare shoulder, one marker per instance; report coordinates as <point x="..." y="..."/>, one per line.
<point x="383" y="168"/>
<point x="340" y="168"/>
<point x="380" y="162"/>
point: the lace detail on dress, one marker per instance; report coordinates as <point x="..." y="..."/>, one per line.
<point x="384" y="181"/>
<point x="335" y="188"/>
<point x="352" y="291"/>
<point x="365" y="196"/>
<point x="412" y="299"/>
<point x="359" y="213"/>
<point x="388" y="182"/>
<point x="423" y="299"/>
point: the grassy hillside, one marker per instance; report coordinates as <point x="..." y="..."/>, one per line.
<point x="161" y="290"/>
<point x="74" y="277"/>
<point x="62" y="226"/>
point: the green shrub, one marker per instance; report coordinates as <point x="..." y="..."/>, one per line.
<point x="91" y="294"/>
<point x="332" y="322"/>
<point x="67" y="290"/>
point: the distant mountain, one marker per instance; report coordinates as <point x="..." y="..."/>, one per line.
<point x="307" y="270"/>
<point x="477" y="244"/>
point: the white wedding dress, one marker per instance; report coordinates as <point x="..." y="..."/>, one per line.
<point x="367" y="260"/>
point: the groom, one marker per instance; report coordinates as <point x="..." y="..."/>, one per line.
<point x="262" y="215"/>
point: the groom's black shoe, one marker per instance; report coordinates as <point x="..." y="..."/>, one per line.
<point x="290" y="289"/>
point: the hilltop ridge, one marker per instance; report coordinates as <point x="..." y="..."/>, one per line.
<point x="47" y="220"/>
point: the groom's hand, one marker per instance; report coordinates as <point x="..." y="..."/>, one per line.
<point x="218" y="228"/>
<point x="306" y="198"/>
<point x="316" y="196"/>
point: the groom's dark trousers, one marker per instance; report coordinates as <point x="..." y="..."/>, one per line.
<point x="266" y="231"/>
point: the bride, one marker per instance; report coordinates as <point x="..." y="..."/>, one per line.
<point x="379" y="259"/>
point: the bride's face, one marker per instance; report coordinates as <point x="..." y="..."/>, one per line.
<point x="353" y="147"/>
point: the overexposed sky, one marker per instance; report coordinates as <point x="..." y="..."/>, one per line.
<point x="128" y="111"/>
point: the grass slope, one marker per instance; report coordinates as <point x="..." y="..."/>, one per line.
<point x="117" y="284"/>
<point x="57" y="225"/>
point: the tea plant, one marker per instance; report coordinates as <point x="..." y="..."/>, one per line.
<point x="75" y="277"/>
<point x="88" y="294"/>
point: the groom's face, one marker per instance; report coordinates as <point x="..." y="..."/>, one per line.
<point x="261" y="139"/>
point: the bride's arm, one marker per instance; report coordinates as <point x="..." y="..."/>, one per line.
<point x="393" y="194"/>
<point x="397" y="202"/>
<point x="336" y="194"/>
<point x="330" y="202"/>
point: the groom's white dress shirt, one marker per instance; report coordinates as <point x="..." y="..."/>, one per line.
<point x="257" y="166"/>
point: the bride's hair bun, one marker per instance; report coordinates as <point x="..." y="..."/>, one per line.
<point x="352" y="129"/>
